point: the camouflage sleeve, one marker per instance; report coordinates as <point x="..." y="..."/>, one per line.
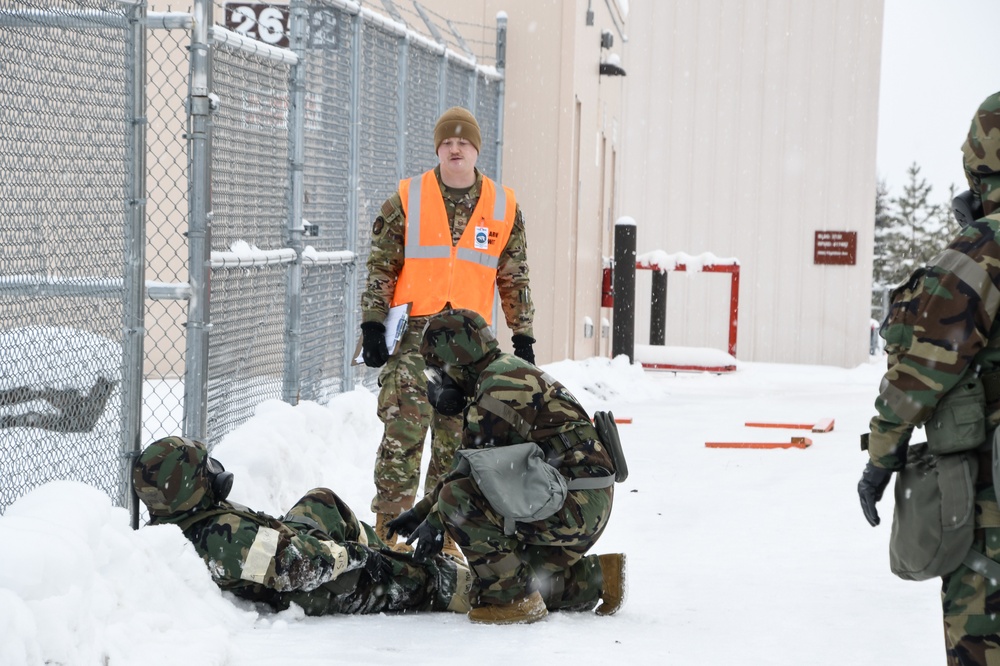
<point x="239" y="552"/>
<point x="939" y="320"/>
<point x="512" y="280"/>
<point x="483" y="429"/>
<point x="385" y="260"/>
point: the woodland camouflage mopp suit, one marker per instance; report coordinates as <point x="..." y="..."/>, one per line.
<point x="944" y="327"/>
<point x="318" y="555"/>
<point x="543" y="564"/>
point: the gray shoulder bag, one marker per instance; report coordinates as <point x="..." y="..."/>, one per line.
<point x="933" y="519"/>
<point x="519" y="484"/>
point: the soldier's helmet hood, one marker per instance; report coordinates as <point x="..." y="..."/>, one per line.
<point x="981" y="154"/>
<point x="459" y="339"/>
<point x="172" y="476"/>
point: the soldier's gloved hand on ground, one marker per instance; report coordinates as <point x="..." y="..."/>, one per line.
<point x="378" y="567"/>
<point x="522" y="347"/>
<point x="430" y="541"/>
<point x="404" y="524"/>
<point x="870" y="488"/>
<point x="373" y="349"/>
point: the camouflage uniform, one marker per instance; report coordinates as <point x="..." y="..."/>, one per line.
<point x="944" y="323"/>
<point x="402" y="401"/>
<point x="318" y="555"/>
<point x="515" y="402"/>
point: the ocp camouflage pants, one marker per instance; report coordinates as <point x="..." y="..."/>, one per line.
<point x="970" y="602"/>
<point x="406" y="416"/>
<point x="546" y="555"/>
<point x="379" y="579"/>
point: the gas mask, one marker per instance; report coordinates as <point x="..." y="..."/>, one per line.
<point x="967" y="207"/>
<point x="220" y="480"/>
<point x="444" y="393"/>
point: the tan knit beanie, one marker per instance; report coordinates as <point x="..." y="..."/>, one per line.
<point x="459" y="122"/>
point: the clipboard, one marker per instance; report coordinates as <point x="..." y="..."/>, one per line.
<point x="395" y="326"/>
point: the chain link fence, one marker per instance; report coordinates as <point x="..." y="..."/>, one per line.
<point x="68" y="172"/>
<point x="185" y="202"/>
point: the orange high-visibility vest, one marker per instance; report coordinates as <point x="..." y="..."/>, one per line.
<point x="436" y="273"/>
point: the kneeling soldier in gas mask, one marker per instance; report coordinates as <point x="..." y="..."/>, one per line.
<point x="532" y="489"/>
<point x="318" y="555"/>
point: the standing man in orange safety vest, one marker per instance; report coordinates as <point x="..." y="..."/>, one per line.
<point x="449" y="238"/>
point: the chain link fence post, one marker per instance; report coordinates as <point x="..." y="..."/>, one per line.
<point x="199" y="225"/>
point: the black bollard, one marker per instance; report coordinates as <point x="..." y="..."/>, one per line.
<point x="623" y="328"/>
<point x="658" y="309"/>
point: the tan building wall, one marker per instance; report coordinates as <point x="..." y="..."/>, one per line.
<point x="741" y="129"/>
<point x="562" y="138"/>
<point x="750" y="126"/>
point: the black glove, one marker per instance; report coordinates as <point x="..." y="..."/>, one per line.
<point x="870" y="488"/>
<point x="376" y="565"/>
<point x="373" y="349"/>
<point x="522" y="347"/>
<point x="404" y="524"/>
<point x="430" y="541"/>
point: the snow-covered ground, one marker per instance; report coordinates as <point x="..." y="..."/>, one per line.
<point x="737" y="556"/>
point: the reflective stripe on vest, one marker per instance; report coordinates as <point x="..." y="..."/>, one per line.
<point x="436" y="273"/>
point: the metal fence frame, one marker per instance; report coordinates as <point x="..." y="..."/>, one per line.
<point x="366" y="88"/>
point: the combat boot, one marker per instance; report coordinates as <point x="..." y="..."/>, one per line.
<point x="451" y="549"/>
<point x="523" y="610"/>
<point x="459" y="601"/>
<point x="614" y="584"/>
<point x="382" y="531"/>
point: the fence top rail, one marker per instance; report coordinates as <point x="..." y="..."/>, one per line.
<point x="221" y="35"/>
<point x="41" y="286"/>
<point x="241" y="256"/>
<point x="169" y="20"/>
<point x="61" y="18"/>
<point x="392" y="25"/>
<point x="315" y="257"/>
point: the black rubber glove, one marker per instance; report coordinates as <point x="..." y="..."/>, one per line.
<point x="430" y="541"/>
<point x="378" y="566"/>
<point x="404" y="524"/>
<point x="870" y="488"/>
<point x="522" y="347"/>
<point x="373" y="349"/>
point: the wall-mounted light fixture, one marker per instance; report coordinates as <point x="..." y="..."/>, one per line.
<point x="612" y="66"/>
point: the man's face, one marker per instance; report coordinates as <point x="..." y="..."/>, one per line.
<point x="457" y="156"/>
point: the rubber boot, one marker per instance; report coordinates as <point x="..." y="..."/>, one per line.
<point x="614" y="585"/>
<point x="382" y="531"/>
<point x="523" y="610"/>
<point x="459" y="602"/>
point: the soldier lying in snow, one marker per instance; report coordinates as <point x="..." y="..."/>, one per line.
<point x="318" y="555"/>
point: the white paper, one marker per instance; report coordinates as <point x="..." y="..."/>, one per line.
<point x="395" y="326"/>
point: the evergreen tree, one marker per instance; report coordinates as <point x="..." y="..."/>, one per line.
<point x="919" y="222"/>
<point x="948" y="227"/>
<point x="889" y="244"/>
<point x="909" y="232"/>
<point x="888" y="239"/>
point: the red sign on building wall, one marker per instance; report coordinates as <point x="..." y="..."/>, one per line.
<point x="836" y="247"/>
